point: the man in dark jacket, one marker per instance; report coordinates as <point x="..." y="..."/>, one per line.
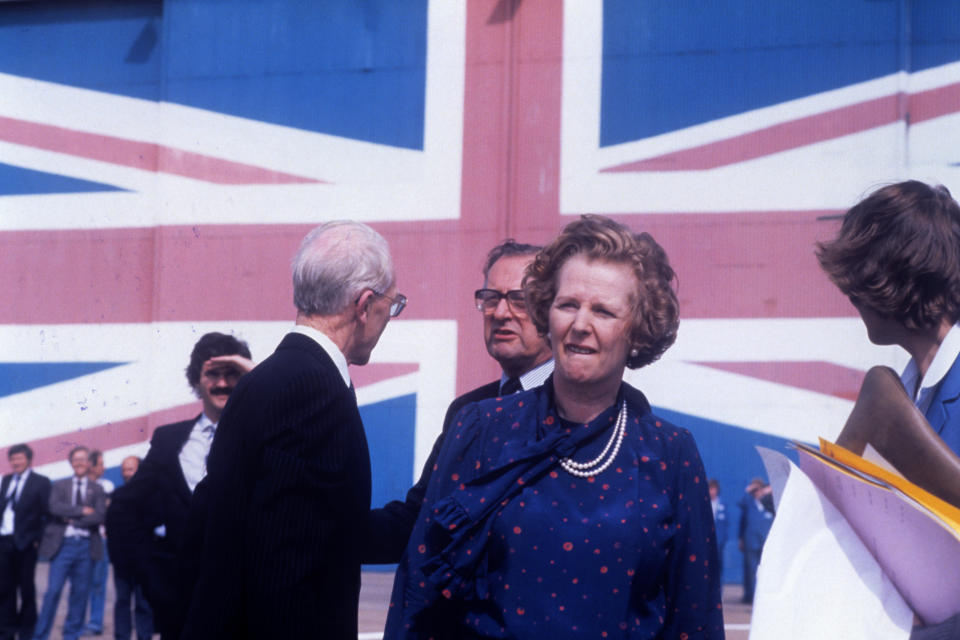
<point x="147" y="516"/>
<point x="525" y="359"/>
<point x="24" y="498"/>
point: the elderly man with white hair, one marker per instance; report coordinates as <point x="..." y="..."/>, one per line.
<point x="288" y="477"/>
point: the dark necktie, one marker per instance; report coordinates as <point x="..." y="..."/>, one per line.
<point x="13" y="494"/>
<point x="512" y="385"/>
<point x="78" y="498"/>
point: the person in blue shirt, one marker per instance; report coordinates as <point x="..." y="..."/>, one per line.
<point x="756" y="518"/>
<point x="570" y="510"/>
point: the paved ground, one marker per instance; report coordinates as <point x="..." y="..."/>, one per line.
<point x="374" y="597"/>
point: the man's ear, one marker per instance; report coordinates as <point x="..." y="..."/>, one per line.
<point x="363" y="304"/>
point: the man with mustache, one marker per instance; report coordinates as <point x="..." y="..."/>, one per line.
<point x="147" y="516"/>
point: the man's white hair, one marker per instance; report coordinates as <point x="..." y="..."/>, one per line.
<point x="335" y="263"/>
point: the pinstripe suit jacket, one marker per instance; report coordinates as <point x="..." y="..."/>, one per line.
<point x="285" y="499"/>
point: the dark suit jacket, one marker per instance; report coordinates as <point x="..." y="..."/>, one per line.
<point x="944" y="411"/>
<point x="754" y="523"/>
<point x="62" y="509"/>
<point x="286" y="497"/>
<point x="391" y="526"/>
<point x="31" y="511"/>
<point x="158" y="494"/>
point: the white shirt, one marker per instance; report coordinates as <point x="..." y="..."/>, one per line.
<point x="72" y="531"/>
<point x="533" y="378"/>
<point x="328" y="346"/>
<point x="946" y="355"/>
<point x="7" y="523"/>
<point x="107" y="485"/>
<point x="193" y="454"/>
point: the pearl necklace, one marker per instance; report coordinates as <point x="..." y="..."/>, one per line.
<point x="597" y="466"/>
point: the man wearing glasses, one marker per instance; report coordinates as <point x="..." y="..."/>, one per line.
<point x="280" y="515"/>
<point x="526" y="361"/>
<point x="148" y="515"/>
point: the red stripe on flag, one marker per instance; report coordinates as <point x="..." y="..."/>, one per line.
<point x="374" y="372"/>
<point x="818" y="376"/>
<point x="109" y="436"/>
<point x="934" y="103"/>
<point x="781" y="137"/>
<point x="146" y="156"/>
<point x="731" y="265"/>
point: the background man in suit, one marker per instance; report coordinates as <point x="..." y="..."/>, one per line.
<point x="127" y="587"/>
<point x="71" y="539"/>
<point x="24" y="500"/>
<point x="525" y="358"/>
<point x="147" y="516"/>
<point x="287" y="494"/>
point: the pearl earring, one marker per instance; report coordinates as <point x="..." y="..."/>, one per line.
<point x="634" y="352"/>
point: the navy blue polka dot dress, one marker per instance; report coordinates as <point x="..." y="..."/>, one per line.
<point x="510" y="545"/>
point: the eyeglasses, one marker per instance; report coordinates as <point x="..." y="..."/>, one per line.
<point x="487" y="300"/>
<point x="396" y="304"/>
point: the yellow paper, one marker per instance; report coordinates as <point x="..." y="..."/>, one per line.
<point x="949" y="514"/>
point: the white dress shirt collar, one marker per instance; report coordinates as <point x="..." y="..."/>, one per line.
<point x="328" y="346"/>
<point x="533" y="378"/>
<point x="922" y="394"/>
<point x="193" y="453"/>
<point x="203" y="422"/>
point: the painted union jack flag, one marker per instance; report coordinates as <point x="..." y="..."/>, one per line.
<point x="160" y="161"/>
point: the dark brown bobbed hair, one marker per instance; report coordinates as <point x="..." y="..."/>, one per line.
<point x="656" y="311"/>
<point x="898" y="253"/>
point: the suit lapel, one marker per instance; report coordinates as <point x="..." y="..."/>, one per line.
<point x="944" y="402"/>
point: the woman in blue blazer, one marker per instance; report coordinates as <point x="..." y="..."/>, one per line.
<point x="897" y="257"/>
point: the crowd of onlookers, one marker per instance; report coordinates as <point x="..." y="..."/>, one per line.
<point x="62" y="521"/>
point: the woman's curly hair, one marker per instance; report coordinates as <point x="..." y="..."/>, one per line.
<point x="656" y="311"/>
<point x="898" y="253"/>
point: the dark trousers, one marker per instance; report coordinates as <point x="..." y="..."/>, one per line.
<point x="129" y="590"/>
<point x="751" y="561"/>
<point x="16" y="577"/>
<point x="161" y="586"/>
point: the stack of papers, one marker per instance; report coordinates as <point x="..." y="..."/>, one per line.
<point x="913" y="535"/>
